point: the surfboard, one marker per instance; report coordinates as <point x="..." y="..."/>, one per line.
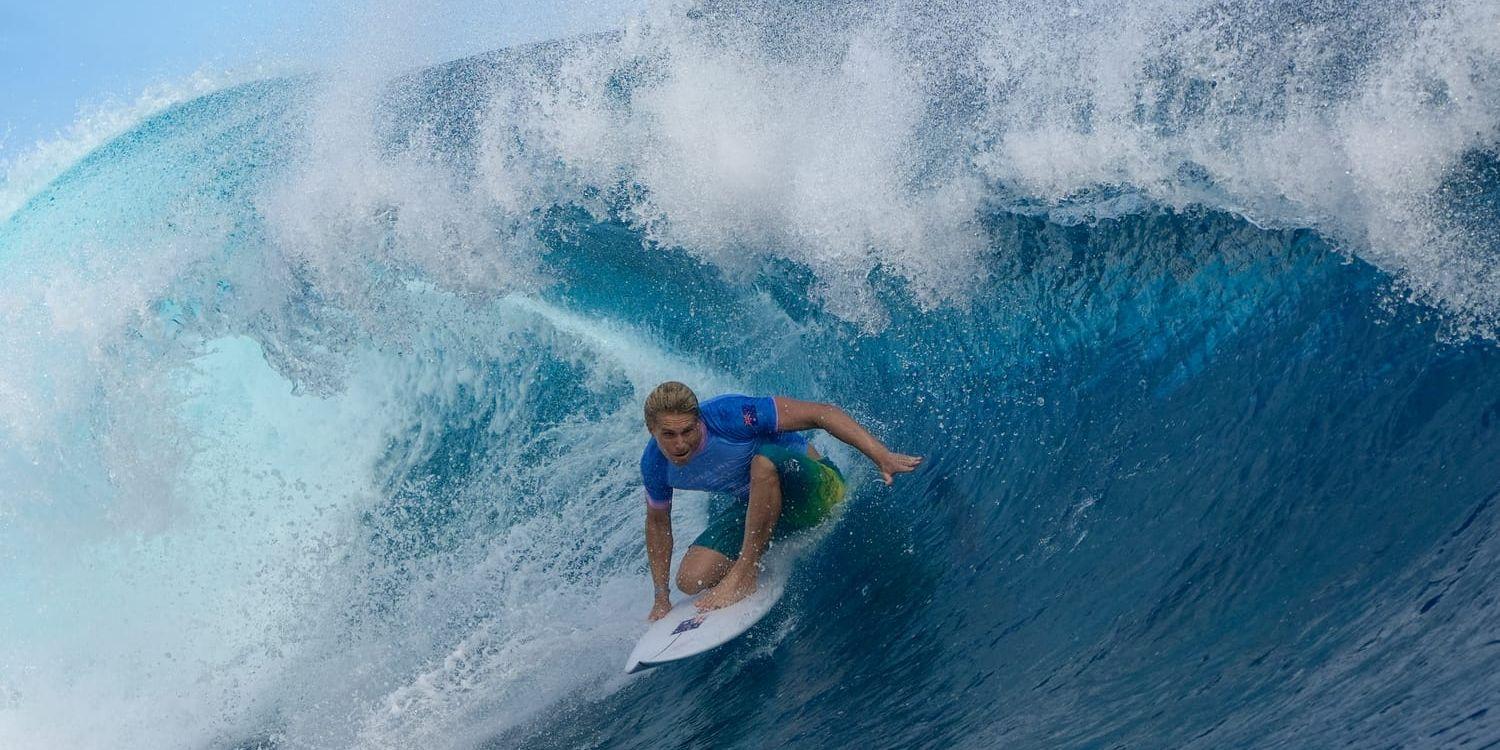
<point x="686" y="632"/>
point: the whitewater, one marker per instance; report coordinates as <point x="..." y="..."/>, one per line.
<point x="320" y="392"/>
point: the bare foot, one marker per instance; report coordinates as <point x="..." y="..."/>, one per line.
<point x="733" y="588"/>
<point x="660" y="609"/>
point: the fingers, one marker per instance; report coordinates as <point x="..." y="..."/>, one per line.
<point x="902" y="464"/>
<point x="897" y="463"/>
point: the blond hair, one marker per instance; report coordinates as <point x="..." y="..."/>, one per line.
<point x="670" y="397"/>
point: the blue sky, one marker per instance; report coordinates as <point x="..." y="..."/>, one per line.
<point x="58" y="56"/>
<point x="62" y="56"/>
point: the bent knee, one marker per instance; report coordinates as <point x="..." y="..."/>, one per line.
<point x="690" y="584"/>
<point x="698" y="578"/>
<point x="701" y="569"/>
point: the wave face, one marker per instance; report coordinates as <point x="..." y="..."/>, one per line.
<point x="320" y="396"/>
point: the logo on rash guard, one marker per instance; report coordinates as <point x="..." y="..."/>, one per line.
<point x="748" y="412"/>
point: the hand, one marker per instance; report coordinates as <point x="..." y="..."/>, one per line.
<point x="736" y="585"/>
<point x="892" y="464"/>
<point x="660" y="609"/>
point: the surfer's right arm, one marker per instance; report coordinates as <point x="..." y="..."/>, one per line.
<point x="659" y="552"/>
<point x="658" y="495"/>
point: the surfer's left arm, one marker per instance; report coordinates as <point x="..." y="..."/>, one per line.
<point x="793" y="414"/>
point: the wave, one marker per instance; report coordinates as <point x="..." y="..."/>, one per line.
<point x="32" y="169"/>
<point x="320" y="396"/>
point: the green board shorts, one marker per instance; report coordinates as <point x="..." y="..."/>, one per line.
<point x="810" y="488"/>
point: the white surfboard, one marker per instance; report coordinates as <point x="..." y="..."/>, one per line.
<point x="687" y="632"/>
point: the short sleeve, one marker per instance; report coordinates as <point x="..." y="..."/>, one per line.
<point x="740" y="417"/>
<point x="654" y="477"/>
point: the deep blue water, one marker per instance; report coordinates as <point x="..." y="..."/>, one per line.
<point x="321" y="401"/>
<point x="1188" y="482"/>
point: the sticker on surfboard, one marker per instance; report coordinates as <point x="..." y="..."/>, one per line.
<point x="689" y="624"/>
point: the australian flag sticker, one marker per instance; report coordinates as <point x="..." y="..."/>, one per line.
<point x="686" y="625"/>
<point x="748" y="412"/>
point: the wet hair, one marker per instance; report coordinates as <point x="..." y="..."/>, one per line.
<point x="670" y="397"/>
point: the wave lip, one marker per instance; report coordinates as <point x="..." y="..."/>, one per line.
<point x="26" y="173"/>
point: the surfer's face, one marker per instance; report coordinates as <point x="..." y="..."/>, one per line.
<point x="678" y="435"/>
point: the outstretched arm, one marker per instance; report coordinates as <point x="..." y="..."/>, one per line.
<point x="659" y="552"/>
<point x="793" y="414"/>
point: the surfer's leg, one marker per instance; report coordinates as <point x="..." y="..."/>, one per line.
<point x="765" y="508"/>
<point x="713" y="553"/>
<point x="701" y="568"/>
<point x="810" y="488"/>
<point x="760" y="521"/>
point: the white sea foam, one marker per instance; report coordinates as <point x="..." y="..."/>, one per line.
<point x="1347" y="123"/>
<point x="877" y="147"/>
<point x="164" y="636"/>
<point x="738" y="156"/>
<point x="258" y="605"/>
<point x="729" y="134"/>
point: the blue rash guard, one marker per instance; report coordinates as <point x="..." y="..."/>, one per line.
<point x="734" y="428"/>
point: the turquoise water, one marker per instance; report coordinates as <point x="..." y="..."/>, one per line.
<point x="320" y="396"/>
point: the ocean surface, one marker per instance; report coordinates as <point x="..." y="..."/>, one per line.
<point x="320" y="394"/>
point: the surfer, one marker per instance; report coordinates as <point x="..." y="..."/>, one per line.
<point x="748" y="447"/>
